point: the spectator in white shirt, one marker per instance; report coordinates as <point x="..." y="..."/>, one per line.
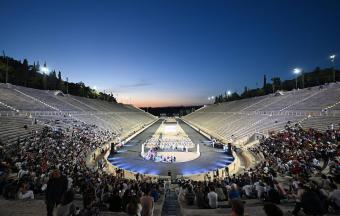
<point x="24" y="193"/>
<point x="212" y="197"/>
<point x="259" y="187"/>
<point x="248" y="190"/>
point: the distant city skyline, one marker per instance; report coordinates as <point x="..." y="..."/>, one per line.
<point x="170" y="53"/>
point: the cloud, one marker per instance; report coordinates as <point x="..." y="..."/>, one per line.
<point x="128" y="88"/>
<point x="138" y="84"/>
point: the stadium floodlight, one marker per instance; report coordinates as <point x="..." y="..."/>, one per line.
<point x="211" y="98"/>
<point x="228" y="94"/>
<point x="44" y="70"/>
<point x="297" y="71"/>
<point x="332" y="57"/>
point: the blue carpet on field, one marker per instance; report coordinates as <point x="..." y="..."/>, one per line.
<point x="129" y="157"/>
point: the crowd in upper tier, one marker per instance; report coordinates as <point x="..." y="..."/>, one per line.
<point x="53" y="162"/>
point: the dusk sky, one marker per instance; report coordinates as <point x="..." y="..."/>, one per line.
<point x="167" y="52"/>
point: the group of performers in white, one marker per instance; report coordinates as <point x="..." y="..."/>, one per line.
<point x="152" y="155"/>
<point x="173" y="144"/>
<point x="169" y="137"/>
<point x="155" y="144"/>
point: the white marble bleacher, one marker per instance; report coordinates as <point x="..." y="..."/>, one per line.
<point x="120" y="122"/>
<point x="4" y="108"/>
<point x="17" y="100"/>
<point x="12" y="128"/>
<point x="326" y="97"/>
<point x="288" y="99"/>
<point x="45" y="98"/>
<point x="242" y="118"/>
<point x="321" y="122"/>
<point x="47" y="105"/>
<point x="99" y="105"/>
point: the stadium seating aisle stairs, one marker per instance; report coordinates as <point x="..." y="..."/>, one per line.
<point x="171" y="206"/>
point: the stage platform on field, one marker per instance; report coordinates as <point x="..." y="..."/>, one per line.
<point x="210" y="159"/>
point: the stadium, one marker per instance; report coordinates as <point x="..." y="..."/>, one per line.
<point x="70" y="149"/>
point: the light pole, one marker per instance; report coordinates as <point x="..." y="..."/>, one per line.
<point x="211" y="99"/>
<point x="67" y="85"/>
<point x="5" y="57"/>
<point x="6" y="69"/>
<point x="228" y="94"/>
<point x="332" y="58"/>
<point x="296" y="71"/>
<point x="44" y="70"/>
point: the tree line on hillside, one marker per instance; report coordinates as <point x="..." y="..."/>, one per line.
<point x="24" y="74"/>
<point x="171" y="111"/>
<point x="305" y="80"/>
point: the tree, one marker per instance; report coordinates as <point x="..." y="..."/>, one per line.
<point x="267" y="87"/>
<point x="52" y="81"/>
<point x="59" y="82"/>
<point x="234" y="96"/>
<point x="37" y="66"/>
<point x="216" y="100"/>
<point x="245" y="92"/>
<point x="276" y="83"/>
<point x="25" y="70"/>
<point x="44" y="81"/>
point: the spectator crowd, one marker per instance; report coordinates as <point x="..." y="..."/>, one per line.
<point x="52" y="164"/>
<point x="298" y="166"/>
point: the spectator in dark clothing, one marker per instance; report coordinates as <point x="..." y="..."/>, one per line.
<point x="56" y="187"/>
<point x="126" y="199"/>
<point x="311" y="203"/>
<point x="334" y="198"/>
<point x="154" y="194"/>
<point x="89" y="196"/>
<point x="115" y="203"/>
<point x="189" y="196"/>
<point x="272" y="210"/>
<point x="201" y="200"/>
<point x="237" y="207"/>
<point x="273" y="195"/>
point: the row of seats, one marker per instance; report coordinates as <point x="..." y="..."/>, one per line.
<point x="28" y="99"/>
<point x="20" y="106"/>
<point x="16" y="128"/>
<point x="316" y="107"/>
